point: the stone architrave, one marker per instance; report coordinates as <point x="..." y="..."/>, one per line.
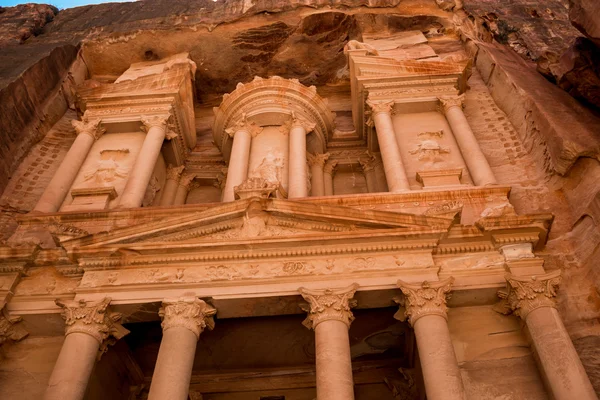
<point x="10" y="328"/>
<point x="317" y="163"/>
<point x="479" y="168"/>
<point x="242" y="133"/>
<point x="183" y="320"/>
<point x="90" y="328"/>
<point x="143" y="168"/>
<point x="171" y="184"/>
<point x="532" y="298"/>
<point x="390" y="152"/>
<point x="299" y="128"/>
<point x="58" y="188"/>
<point x="328" y="174"/>
<point x="425" y="307"/>
<point x="330" y="316"/>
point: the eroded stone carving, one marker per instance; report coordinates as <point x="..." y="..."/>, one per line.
<point x="381" y="106"/>
<point x="317" y="159"/>
<point x="451" y="101"/>
<point x="108" y="168"/>
<point x="94" y="319"/>
<point x="270" y="168"/>
<point x="190" y="313"/>
<point x="328" y="304"/>
<point x="255" y="187"/>
<point x="428" y="298"/>
<point x="527" y="293"/>
<point x="158" y="121"/>
<point x="244" y="125"/>
<point x="10" y="328"/>
<point x="91" y="128"/>
<point x="173" y="173"/>
<point x="430" y="150"/>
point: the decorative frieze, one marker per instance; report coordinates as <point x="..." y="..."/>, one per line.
<point x="190" y="313"/>
<point x="427" y="298"/>
<point x="527" y="293"/>
<point x="94" y="319"/>
<point x="328" y="304"/>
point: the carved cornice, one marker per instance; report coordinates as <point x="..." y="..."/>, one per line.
<point x="378" y="107"/>
<point x="10" y="328"/>
<point x="317" y="159"/>
<point x="447" y="102"/>
<point x="244" y="125"/>
<point x="173" y="173"/>
<point x="190" y="313"/>
<point x="526" y="294"/>
<point x="328" y="304"/>
<point x="94" y="319"/>
<point x="428" y="298"/>
<point x="329" y="167"/>
<point x="91" y="128"/>
<point x="154" y="121"/>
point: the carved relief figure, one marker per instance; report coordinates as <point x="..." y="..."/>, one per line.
<point x="108" y="168"/>
<point x="430" y="151"/>
<point x="271" y="168"/>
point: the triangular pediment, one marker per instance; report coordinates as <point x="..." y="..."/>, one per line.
<point x="264" y="219"/>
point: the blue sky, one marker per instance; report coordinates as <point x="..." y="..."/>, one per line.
<point x="59" y="3"/>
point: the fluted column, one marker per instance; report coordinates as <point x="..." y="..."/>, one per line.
<point x="171" y="183"/>
<point x="183" y="320"/>
<point x="317" y="163"/>
<point x="135" y="188"/>
<point x="90" y="328"/>
<point x="237" y="172"/>
<point x="533" y="299"/>
<point x="183" y="188"/>
<point x="368" y="167"/>
<point x="395" y="173"/>
<point x="297" y="180"/>
<point x="328" y="174"/>
<point x="58" y="188"/>
<point x="479" y="168"/>
<point x="425" y="307"/>
<point x="330" y="317"/>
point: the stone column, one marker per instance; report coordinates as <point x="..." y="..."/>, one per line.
<point x="183" y="322"/>
<point x="368" y="167"/>
<point x="60" y="184"/>
<point x="479" y="168"/>
<point x="142" y="170"/>
<point x="172" y="181"/>
<point x="330" y="317"/>
<point x="317" y="163"/>
<point x="395" y="173"/>
<point x="183" y="188"/>
<point x="425" y="307"/>
<point x="90" y="328"/>
<point x="533" y="299"/>
<point x="328" y="174"/>
<point x="297" y="179"/>
<point x="237" y="172"/>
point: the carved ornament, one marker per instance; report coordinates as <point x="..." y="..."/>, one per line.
<point x="317" y="159"/>
<point x="329" y="167"/>
<point x="173" y="173"/>
<point x="303" y="123"/>
<point x="190" y="313"/>
<point x="244" y="125"/>
<point x="328" y="304"/>
<point x="10" y="328"/>
<point x="526" y="294"/>
<point x="255" y="187"/>
<point x="447" y="102"/>
<point x="428" y="298"/>
<point x="94" y="319"/>
<point x="91" y="128"/>
<point x="186" y="180"/>
<point x="154" y="121"/>
<point x="378" y="107"/>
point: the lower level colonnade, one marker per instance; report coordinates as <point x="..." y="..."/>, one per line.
<point x="91" y="327"/>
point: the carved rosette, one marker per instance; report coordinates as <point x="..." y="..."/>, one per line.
<point x="244" y="125"/>
<point x="428" y="298"/>
<point x="173" y="173"/>
<point x="317" y="159"/>
<point x="526" y="294"/>
<point x="154" y="121"/>
<point x="328" y="304"/>
<point x="190" y="313"/>
<point x="94" y="319"/>
<point x="329" y="167"/>
<point x="91" y="128"/>
<point x="446" y="102"/>
<point x="10" y="328"/>
<point x="378" y="107"/>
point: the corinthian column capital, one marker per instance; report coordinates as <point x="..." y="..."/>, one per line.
<point x="447" y="102"/>
<point x="328" y="304"/>
<point x="526" y="294"/>
<point x="428" y="298"/>
<point x="10" y="328"/>
<point x="368" y="164"/>
<point x="329" y="167"/>
<point x="151" y="121"/>
<point x="244" y="125"/>
<point x="190" y="313"/>
<point x="173" y="173"/>
<point x="186" y="180"/>
<point x="378" y="107"/>
<point x="94" y="319"/>
<point x="91" y="128"/>
<point x="303" y="123"/>
<point x="317" y="159"/>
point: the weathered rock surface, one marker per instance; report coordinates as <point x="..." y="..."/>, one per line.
<point x="585" y="16"/>
<point x="19" y="23"/>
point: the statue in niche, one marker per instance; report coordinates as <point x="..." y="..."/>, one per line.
<point x="108" y="168"/>
<point x="270" y="168"/>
